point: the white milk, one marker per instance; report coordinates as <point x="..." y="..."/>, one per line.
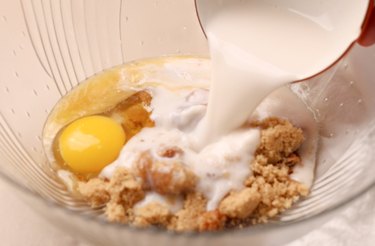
<point x="256" y="48"/>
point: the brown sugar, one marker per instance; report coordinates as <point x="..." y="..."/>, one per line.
<point x="187" y="218"/>
<point x="165" y="177"/>
<point x="152" y="214"/>
<point x="279" y="139"/>
<point x="211" y="221"/>
<point x="267" y="192"/>
<point x="240" y="204"/>
<point x="95" y="191"/>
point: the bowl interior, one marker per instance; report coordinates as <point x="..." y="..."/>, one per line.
<point x="49" y="47"/>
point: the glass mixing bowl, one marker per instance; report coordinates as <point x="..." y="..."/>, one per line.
<point x="48" y="47"/>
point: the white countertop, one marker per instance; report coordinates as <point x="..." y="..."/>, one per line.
<point x="22" y="226"/>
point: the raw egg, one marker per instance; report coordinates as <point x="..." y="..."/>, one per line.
<point x="89" y="144"/>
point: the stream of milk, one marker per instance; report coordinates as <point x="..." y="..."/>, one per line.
<point x="254" y="50"/>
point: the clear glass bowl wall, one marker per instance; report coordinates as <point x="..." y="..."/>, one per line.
<point x="48" y="47"/>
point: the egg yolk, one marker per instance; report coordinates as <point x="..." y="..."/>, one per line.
<point x="89" y="144"/>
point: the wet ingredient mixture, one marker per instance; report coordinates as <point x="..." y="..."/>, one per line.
<point x="161" y="177"/>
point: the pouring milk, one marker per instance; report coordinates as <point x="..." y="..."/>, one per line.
<point x="258" y="46"/>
